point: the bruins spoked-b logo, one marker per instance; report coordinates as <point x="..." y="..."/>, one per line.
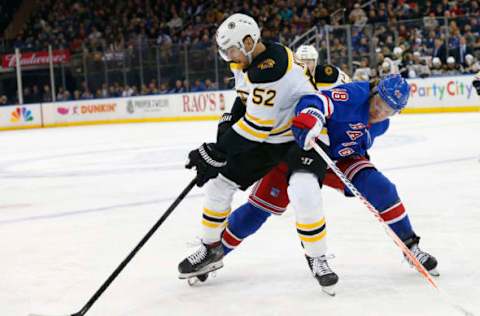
<point x="267" y="63"/>
<point x="328" y="70"/>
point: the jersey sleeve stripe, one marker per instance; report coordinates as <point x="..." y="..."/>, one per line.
<point x="246" y="131"/>
<point x="257" y="127"/>
<point x="283" y="128"/>
<point x="258" y="121"/>
<point x="290" y="59"/>
<point x="327" y="103"/>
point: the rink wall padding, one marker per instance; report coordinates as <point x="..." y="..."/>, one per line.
<point x="429" y="95"/>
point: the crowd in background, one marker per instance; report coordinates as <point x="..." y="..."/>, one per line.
<point x="409" y="37"/>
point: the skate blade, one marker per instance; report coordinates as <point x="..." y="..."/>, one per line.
<point x="434" y="272"/>
<point x="329" y="290"/>
<point x="209" y="268"/>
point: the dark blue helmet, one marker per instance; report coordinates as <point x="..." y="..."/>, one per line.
<point x="394" y="90"/>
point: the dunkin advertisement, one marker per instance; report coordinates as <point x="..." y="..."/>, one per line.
<point x="82" y="112"/>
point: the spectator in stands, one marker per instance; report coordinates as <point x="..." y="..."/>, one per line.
<point x="3" y="100"/>
<point x="363" y="72"/>
<point x="472" y="66"/>
<point x="452" y="68"/>
<point x="439" y="50"/>
<point x="178" y="87"/>
<point x="209" y="85"/>
<point x="86" y="95"/>
<point x="198" y="86"/>
<point x="47" y="94"/>
<point x="163" y="88"/>
<point x="461" y="51"/>
<point x="358" y="17"/>
<point x="437" y="69"/>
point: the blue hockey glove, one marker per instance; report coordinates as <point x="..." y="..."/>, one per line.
<point x="307" y="126"/>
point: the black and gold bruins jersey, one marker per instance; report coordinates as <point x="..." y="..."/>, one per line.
<point x="270" y="87"/>
<point x="328" y="76"/>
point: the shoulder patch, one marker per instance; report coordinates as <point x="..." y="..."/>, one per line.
<point x="326" y="74"/>
<point x="271" y="65"/>
<point x="267" y="63"/>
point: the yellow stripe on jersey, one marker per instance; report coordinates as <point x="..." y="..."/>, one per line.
<point x="259" y="121"/>
<point x="282" y="128"/>
<point x="312" y="226"/>
<point x="323" y="85"/>
<point x="235" y="66"/>
<point x="290" y="59"/>
<point x="313" y="238"/>
<point x="216" y="214"/>
<point x="261" y="135"/>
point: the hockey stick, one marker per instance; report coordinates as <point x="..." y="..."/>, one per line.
<point x="142" y="242"/>
<point x="420" y="268"/>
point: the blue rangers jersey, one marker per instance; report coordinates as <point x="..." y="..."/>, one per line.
<point x="346" y="108"/>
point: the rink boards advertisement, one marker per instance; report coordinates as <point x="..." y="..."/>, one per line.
<point x="442" y="94"/>
<point x="155" y="108"/>
<point x="430" y="95"/>
<point x="18" y="117"/>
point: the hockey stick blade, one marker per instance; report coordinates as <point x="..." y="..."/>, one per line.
<point x="51" y="315"/>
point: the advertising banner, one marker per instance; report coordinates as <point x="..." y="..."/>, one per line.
<point x="36" y="58"/>
<point x="83" y="112"/>
<point x="442" y="94"/>
<point x="198" y="104"/>
<point x="23" y="116"/>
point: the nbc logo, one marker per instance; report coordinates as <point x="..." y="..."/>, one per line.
<point x="20" y="113"/>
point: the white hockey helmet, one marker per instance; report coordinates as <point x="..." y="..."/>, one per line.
<point x="304" y="52"/>
<point x="451" y="60"/>
<point x="233" y="31"/>
<point x="436" y="61"/>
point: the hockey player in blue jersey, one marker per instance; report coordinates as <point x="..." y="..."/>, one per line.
<point x="354" y="114"/>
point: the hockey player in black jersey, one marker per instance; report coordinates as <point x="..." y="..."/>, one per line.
<point x="274" y="82"/>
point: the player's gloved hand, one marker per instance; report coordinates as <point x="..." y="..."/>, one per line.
<point x="207" y="161"/>
<point x="225" y="123"/>
<point x="307" y="126"/>
<point x="476" y="83"/>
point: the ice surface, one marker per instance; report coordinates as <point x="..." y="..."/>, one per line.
<point x="75" y="201"/>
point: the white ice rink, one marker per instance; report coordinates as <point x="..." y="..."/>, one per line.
<point x="75" y="201"/>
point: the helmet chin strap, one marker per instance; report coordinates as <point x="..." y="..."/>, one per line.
<point x="249" y="54"/>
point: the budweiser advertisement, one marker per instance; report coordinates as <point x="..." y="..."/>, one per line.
<point x="35" y="59"/>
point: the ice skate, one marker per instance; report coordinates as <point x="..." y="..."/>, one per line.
<point x="198" y="265"/>
<point x="323" y="273"/>
<point x="428" y="261"/>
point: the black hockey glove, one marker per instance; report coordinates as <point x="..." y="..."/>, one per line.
<point x="207" y="161"/>
<point x="476" y="84"/>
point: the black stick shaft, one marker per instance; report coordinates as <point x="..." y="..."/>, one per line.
<point x="142" y="242"/>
